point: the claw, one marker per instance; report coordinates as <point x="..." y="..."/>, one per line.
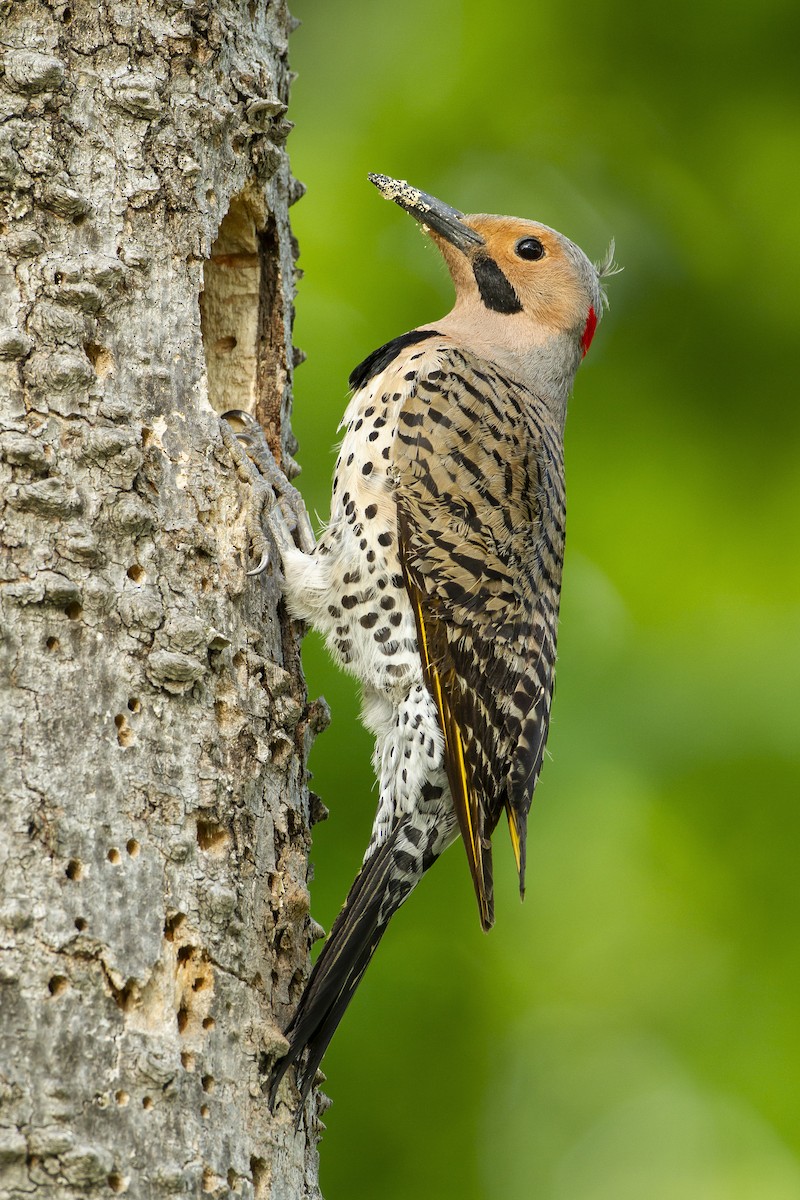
<point x="263" y="564"/>
<point x="280" y="506"/>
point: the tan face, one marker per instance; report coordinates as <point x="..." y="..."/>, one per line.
<point x="536" y="262"/>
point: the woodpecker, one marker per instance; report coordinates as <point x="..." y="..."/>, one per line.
<point x="437" y="580"/>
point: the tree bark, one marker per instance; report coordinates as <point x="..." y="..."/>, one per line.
<point x="154" y="811"/>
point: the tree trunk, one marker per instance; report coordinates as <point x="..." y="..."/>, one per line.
<point x="154" y="812"/>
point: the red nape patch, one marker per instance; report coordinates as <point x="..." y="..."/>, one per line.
<point x="588" y="331"/>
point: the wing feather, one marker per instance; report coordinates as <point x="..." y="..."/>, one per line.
<point x="480" y="499"/>
<point x="465" y="799"/>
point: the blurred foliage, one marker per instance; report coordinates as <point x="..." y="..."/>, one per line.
<point x="632" y="1029"/>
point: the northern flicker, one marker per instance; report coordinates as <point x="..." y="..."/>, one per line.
<point x="437" y="580"/>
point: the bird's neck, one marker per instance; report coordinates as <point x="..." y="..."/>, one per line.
<point x="542" y="359"/>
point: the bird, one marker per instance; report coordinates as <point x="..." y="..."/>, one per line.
<point x="437" y="579"/>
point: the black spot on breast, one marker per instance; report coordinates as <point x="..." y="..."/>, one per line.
<point x="379" y="360"/>
<point x="495" y="289"/>
<point x="370" y="511"/>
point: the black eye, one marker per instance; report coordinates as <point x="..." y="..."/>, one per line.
<point x="530" y="248"/>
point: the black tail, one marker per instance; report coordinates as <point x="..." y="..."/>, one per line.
<point x="380" y="887"/>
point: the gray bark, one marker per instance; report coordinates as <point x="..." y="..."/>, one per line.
<point x="154" y="812"/>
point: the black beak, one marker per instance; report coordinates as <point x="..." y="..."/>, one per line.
<point x="429" y="211"/>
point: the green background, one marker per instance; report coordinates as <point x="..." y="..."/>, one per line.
<point x="632" y="1030"/>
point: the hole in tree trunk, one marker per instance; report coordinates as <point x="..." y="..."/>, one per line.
<point x="241" y="318"/>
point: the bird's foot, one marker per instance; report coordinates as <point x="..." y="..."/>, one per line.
<point x="278" y="506"/>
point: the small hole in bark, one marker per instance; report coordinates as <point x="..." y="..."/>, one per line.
<point x="101" y="359"/>
<point x="239" y="659"/>
<point x="74" y="869"/>
<point x="208" y="1083"/>
<point x="208" y="1023"/>
<point x="79" y="218"/>
<point x="148" y="437"/>
<point x="172" y="924"/>
<point x="73" y="610"/>
<point x="136" y="573"/>
<point x="183" y="1018"/>
<point x="114" y="855"/>
<point x="124" y="997"/>
<point x="224" y="345"/>
<point x="209" y="1180"/>
<point x="211" y="196"/>
<point x="125" y="734"/>
<point x="184" y="954"/>
<point x="133" y="847"/>
<point x="205" y="1112"/>
<point x="212" y="837"/>
<point x="187" y="1060"/>
<point x="80" y="924"/>
<point x="147" y="1102"/>
<point x="57" y="985"/>
<point x="134" y="705"/>
<point x="121" y="1098"/>
<point x="66" y="16"/>
<point x="53" y="643"/>
<point x="258" y="1169"/>
<point x="117" y="1182"/>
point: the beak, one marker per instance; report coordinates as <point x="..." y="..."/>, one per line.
<point x="429" y="211"/>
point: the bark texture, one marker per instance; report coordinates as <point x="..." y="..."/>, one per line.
<point x="154" y="812"/>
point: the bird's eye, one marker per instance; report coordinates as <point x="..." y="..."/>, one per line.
<point x="530" y="248"/>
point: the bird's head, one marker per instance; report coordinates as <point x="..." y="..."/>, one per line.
<point x="519" y="284"/>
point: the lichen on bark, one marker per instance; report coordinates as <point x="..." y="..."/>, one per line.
<point x="154" y="810"/>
